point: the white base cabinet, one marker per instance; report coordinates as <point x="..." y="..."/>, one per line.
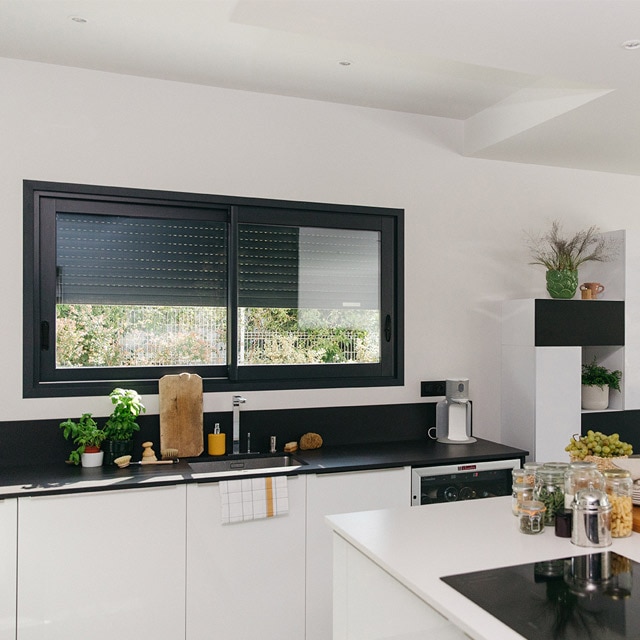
<point x="372" y="605"/>
<point x="246" y="579"/>
<point x="8" y="552"/>
<point x="102" y="565"/>
<point x="334" y="493"/>
<point x="158" y="562"/>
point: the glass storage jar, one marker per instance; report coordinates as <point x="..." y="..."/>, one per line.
<point x="581" y="475"/>
<point x="530" y="468"/>
<point x="619" y="488"/>
<point x="556" y="465"/>
<point x="531" y="516"/>
<point x="522" y="488"/>
<point x="549" y="489"/>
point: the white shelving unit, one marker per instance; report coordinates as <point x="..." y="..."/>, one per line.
<point x="544" y="344"/>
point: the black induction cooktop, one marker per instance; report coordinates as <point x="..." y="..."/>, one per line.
<point x="591" y="597"/>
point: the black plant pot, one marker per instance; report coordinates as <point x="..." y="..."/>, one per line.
<point x="115" y="448"/>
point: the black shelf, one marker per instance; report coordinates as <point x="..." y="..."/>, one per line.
<point x="579" y="323"/>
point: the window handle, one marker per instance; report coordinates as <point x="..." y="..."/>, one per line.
<point x="387" y="328"/>
<point x="44" y="335"/>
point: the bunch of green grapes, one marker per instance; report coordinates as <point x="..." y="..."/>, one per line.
<point x="596" y="443"/>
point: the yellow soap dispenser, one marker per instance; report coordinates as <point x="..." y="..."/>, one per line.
<point x="216" y="442"/>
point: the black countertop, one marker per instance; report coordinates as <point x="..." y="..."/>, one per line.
<point x="64" y="478"/>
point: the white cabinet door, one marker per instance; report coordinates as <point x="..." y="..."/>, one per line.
<point x="102" y="565"/>
<point x="8" y="551"/>
<point x="245" y="580"/>
<point x="371" y="605"/>
<point x="333" y="493"/>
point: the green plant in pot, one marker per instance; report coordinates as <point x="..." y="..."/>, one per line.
<point x="596" y="382"/>
<point x="88" y="436"/>
<point x="563" y="255"/>
<point x="121" y="424"/>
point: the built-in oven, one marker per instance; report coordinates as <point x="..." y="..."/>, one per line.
<point x="464" y="481"/>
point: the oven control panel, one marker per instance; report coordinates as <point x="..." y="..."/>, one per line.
<point x="462" y="482"/>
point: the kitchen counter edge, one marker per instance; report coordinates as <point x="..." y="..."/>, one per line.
<point x="63" y="478"/>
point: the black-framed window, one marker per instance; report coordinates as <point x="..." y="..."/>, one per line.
<point x="123" y="286"/>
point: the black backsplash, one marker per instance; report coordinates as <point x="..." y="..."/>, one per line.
<point x="40" y="442"/>
<point x="624" y="423"/>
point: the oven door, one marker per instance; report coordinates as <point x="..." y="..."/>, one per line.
<point x="466" y="481"/>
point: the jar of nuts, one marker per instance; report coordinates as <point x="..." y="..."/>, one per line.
<point x="530" y="468"/>
<point x="619" y="487"/>
<point x="581" y="475"/>
<point x="522" y="489"/>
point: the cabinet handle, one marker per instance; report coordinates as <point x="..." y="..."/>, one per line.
<point x="335" y="474"/>
<point x="102" y="488"/>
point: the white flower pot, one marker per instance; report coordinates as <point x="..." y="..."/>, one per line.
<point x="595" y="398"/>
<point x="92" y="459"/>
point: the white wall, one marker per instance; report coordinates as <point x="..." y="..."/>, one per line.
<point x="464" y="217"/>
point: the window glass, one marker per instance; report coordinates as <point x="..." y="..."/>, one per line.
<point x="139" y="292"/>
<point x="308" y="295"/>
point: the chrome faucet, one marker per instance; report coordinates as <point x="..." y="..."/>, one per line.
<point x="237" y="401"/>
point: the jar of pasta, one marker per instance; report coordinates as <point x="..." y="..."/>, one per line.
<point x="619" y="488"/>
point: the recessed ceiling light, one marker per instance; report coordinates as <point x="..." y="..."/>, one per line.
<point x="631" y="45"/>
<point x="344" y="63"/>
<point x="79" y="19"/>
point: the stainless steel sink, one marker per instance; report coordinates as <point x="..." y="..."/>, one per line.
<point x="238" y="465"/>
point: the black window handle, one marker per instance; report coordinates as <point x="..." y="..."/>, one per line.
<point x="44" y="335"/>
<point x="387" y="328"/>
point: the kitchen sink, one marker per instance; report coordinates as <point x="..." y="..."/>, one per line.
<point x="239" y="465"/>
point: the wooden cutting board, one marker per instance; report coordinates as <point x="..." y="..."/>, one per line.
<point x="180" y="399"/>
<point x="636" y="519"/>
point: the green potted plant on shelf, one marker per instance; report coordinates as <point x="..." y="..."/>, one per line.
<point x="121" y="424"/>
<point x="596" y="382"/>
<point x="88" y="436"/>
<point x="563" y="255"/>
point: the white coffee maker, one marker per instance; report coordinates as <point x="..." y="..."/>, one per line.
<point x="453" y="414"/>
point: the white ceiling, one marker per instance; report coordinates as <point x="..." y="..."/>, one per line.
<point x="535" y="81"/>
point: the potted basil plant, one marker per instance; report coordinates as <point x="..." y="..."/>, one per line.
<point x="596" y="382"/>
<point x="88" y="436"/>
<point x="121" y="424"/>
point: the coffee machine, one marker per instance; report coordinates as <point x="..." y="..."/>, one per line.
<point x="453" y="414"/>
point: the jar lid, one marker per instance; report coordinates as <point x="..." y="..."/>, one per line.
<point x="549" y="473"/>
<point x="591" y="475"/>
<point x="581" y="464"/>
<point x="616" y="473"/>
<point x="532" y="465"/>
<point x="591" y="500"/>
<point x="556" y="465"/>
<point x="532" y="507"/>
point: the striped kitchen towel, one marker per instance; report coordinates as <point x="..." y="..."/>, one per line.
<point x="253" y="498"/>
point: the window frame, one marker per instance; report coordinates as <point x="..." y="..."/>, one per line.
<point x="42" y="379"/>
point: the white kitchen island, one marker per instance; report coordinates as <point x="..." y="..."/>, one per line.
<point x="388" y="564"/>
